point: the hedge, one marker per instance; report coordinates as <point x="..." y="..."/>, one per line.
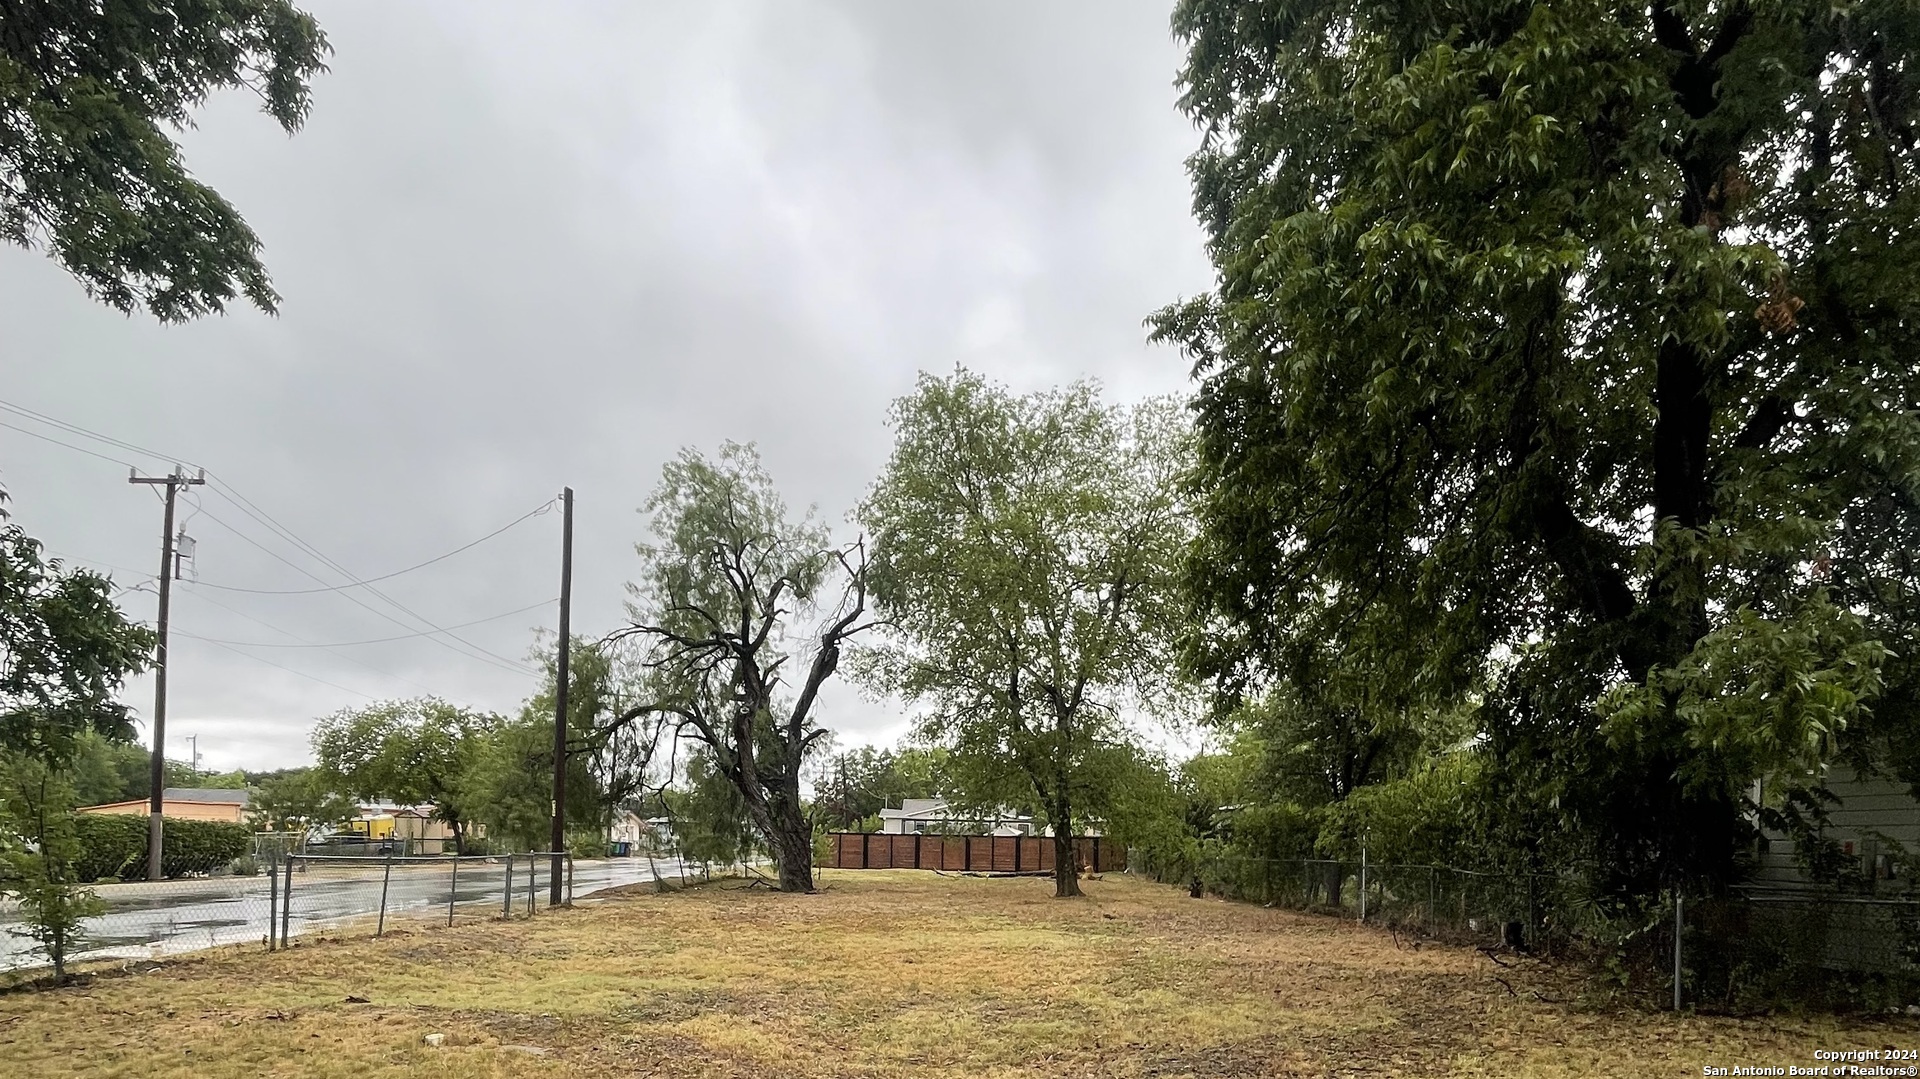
<point x="115" y="845"/>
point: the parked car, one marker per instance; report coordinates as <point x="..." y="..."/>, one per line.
<point x="353" y="843"/>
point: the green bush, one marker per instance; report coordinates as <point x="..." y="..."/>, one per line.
<point x="1424" y="818"/>
<point x="115" y="845"/>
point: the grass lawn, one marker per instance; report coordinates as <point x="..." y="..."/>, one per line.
<point x="884" y="974"/>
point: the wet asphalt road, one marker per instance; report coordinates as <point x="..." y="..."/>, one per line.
<point x="152" y="919"/>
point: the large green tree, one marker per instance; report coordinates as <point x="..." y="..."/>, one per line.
<point x="412" y="752"/>
<point x="1025" y="557"/>
<point x="91" y="96"/>
<point x="733" y="596"/>
<point x="1567" y="349"/>
<point x="298" y="800"/>
<point x="65" y="652"/>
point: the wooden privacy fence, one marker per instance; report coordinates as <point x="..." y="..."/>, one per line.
<point x="967" y="853"/>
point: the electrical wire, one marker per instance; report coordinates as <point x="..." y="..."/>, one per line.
<point x="289" y="670"/>
<point x="246" y="506"/>
<point x="535" y="512"/>
<point x="495" y="661"/>
<point x="382" y="640"/>
<point x="201" y="597"/>
<point x="74" y="428"/>
<point x="240" y="501"/>
<point x="95" y="563"/>
<point x="69" y="445"/>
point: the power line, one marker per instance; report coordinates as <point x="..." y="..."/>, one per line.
<point x="247" y="507"/>
<point x="74" y="428"/>
<point x="69" y="445"/>
<point x="353" y="599"/>
<point x="95" y="563"/>
<point x="289" y="670"/>
<point x="350" y="658"/>
<point x="535" y="512"/>
<point x="379" y="640"/>
<point x="261" y="517"/>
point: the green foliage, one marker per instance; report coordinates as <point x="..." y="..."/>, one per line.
<point x="410" y="752"/>
<point x="1561" y="361"/>
<point x="234" y="780"/>
<point x="710" y="819"/>
<point x="91" y="96"/>
<point x="1427" y="817"/>
<point x="114" y="845"/>
<point x="105" y="771"/>
<point x="509" y="784"/>
<point x="37" y="868"/>
<point x="853" y="787"/>
<point x="299" y="800"/>
<point x="610" y="763"/>
<point x="65" y="650"/>
<point x="1025" y="554"/>
<point x="723" y="593"/>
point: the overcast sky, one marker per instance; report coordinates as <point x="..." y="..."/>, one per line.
<point x="527" y="246"/>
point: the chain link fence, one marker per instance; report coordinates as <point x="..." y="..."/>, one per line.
<point x="1440" y="901"/>
<point x="1820" y="929"/>
<point x="1752" y="945"/>
<point x="312" y="893"/>
<point x="275" y="895"/>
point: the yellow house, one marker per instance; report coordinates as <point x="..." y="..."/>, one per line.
<point x="185" y="803"/>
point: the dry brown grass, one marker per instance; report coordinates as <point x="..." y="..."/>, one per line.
<point x="884" y="974"/>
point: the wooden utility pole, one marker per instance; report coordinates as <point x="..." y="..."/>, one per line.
<point x="559" y="840"/>
<point x="168" y="571"/>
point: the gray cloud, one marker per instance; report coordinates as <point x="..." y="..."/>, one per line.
<point x="520" y="252"/>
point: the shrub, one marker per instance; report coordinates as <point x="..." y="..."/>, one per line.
<point x="1424" y="818"/>
<point x="54" y="910"/>
<point x="115" y="845"/>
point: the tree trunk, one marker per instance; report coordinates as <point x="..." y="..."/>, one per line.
<point x="1066" y="872"/>
<point x="791" y="842"/>
<point x="1336" y="880"/>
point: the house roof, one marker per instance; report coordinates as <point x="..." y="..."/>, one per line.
<point x="211" y="795"/>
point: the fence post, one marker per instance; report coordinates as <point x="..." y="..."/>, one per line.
<point x="966" y="852"/>
<point x="1679" y="926"/>
<point x="866" y="840"/>
<point x="286" y="902"/>
<point x="506" y="893"/>
<point x="1363" y="880"/>
<point x="569" y="878"/>
<point x="1016" y="854"/>
<point x="1431" y="873"/>
<point x="386" y="878"/>
<point x="273" y="900"/>
<point x="453" y="889"/>
<point x="533" y="872"/>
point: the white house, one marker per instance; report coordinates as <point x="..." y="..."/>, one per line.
<point x="930" y="815"/>
<point x="1875" y="818"/>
